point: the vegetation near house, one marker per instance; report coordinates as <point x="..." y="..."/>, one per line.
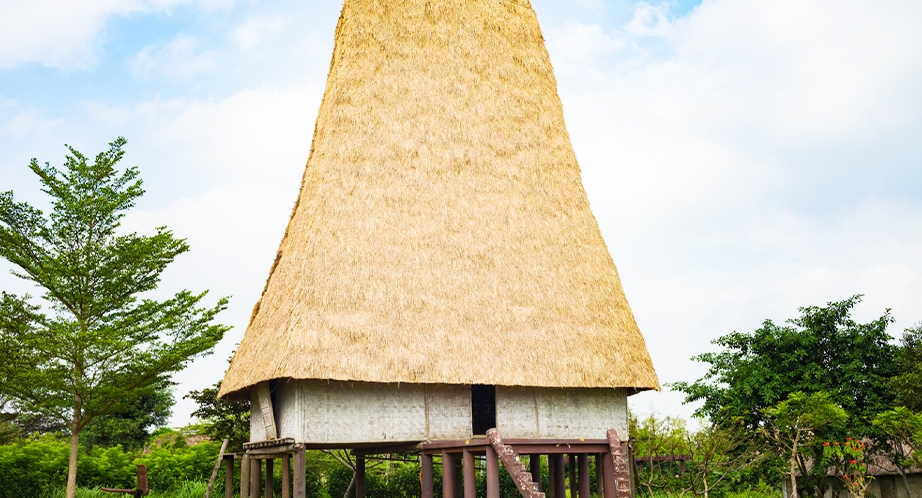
<point x="93" y="343"/>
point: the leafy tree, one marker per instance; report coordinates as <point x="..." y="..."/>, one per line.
<point x="793" y="425"/>
<point x="223" y="419"/>
<point x="129" y="426"/>
<point x="908" y="382"/>
<point x="903" y="430"/>
<point x="96" y="340"/>
<point x="823" y="350"/>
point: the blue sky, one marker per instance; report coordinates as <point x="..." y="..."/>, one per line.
<point x="742" y="158"/>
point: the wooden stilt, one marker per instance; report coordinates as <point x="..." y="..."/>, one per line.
<point x="560" y="484"/>
<point x="448" y="475"/>
<point x="270" y="478"/>
<point x="534" y="462"/>
<point x="458" y="478"/>
<point x="300" y="471"/>
<point x="551" y="477"/>
<point x="245" y="477"/>
<point x="255" y="477"/>
<point x="571" y="467"/>
<point x="425" y="462"/>
<point x="286" y="476"/>
<point x="229" y="475"/>
<point x="492" y="474"/>
<point x="360" y="476"/>
<point x="582" y="462"/>
<point x="608" y="469"/>
<point x="470" y="481"/>
<point x="599" y="475"/>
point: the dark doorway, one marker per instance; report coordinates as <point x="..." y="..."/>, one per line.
<point x="483" y="408"/>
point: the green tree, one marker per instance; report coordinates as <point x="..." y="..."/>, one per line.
<point x="96" y="340"/>
<point x="130" y="425"/>
<point x="223" y="419"/>
<point x="903" y="429"/>
<point x="823" y="350"/>
<point x="792" y="426"/>
<point x="908" y="382"/>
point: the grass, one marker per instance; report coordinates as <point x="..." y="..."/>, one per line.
<point x="188" y="489"/>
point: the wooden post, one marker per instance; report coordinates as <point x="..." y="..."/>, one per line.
<point x="571" y="467"/>
<point x="300" y="484"/>
<point x="229" y="475"/>
<point x="425" y="480"/>
<point x="582" y="461"/>
<point x="360" y="476"/>
<point x="534" y="462"/>
<point x="608" y="472"/>
<point x="560" y="483"/>
<point x="270" y="478"/>
<point x="458" y="477"/>
<point x="214" y="471"/>
<point x="599" y="475"/>
<point x="448" y="475"/>
<point x="492" y="474"/>
<point x="470" y="481"/>
<point x="255" y="477"/>
<point x="286" y="476"/>
<point x="245" y="476"/>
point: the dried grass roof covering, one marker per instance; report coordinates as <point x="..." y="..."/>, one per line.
<point x="442" y="233"/>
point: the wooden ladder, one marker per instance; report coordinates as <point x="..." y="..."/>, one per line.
<point x="510" y="459"/>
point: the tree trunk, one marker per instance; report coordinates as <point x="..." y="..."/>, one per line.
<point x="74" y="448"/>
<point x="793" y="477"/>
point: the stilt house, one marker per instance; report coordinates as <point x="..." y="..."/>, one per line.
<point x="442" y="273"/>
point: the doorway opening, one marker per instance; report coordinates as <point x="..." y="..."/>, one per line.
<point x="483" y="408"/>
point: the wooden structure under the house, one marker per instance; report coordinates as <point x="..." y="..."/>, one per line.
<point x="442" y="273"/>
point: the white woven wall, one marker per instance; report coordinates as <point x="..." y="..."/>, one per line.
<point x="358" y="412"/>
<point x="528" y="412"/>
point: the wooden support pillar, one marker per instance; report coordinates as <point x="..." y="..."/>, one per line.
<point x="270" y="478"/>
<point x="286" y="476"/>
<point x="448" y="475"/>
<point x="608" y="471"/>
<point x="560" y="479"/>
<point x="599" y="475"/>
<point x="582" y="462"/>
<point x="228" y="475"/>
<point x="255" y="477"/>
<point x="300" y="471"/>
<point x="245" y="477"/>
<point x="457" y="478"/>
<point x="360" y="476"/>
<point x="571" y="467"/>
<point x="492" y="474"/>
<point x="425" y="463"/>
<point x="534" y="462"/>
<point x="470" y="481"/>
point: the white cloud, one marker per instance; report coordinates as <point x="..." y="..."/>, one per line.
<point x="65" y="34"/>
<point x="28" y="123"/>
<point x="650" y="20"/>
<point x="582" y="46"/>
<point x="178" y="60"/>
<point x="258" y="30"/>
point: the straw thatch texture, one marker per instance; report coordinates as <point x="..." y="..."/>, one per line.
<point x="442" y="233"/>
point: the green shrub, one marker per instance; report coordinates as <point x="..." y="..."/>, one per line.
<point x="170" y="466"/>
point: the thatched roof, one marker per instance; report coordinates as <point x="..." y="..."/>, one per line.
<point x="442" y="233"/>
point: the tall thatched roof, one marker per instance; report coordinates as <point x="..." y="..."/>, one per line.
<point x="442" y="233"/>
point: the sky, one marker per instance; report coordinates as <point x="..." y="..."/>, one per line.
<point x="743" y="158"/>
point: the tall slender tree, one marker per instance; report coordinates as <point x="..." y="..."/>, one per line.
<point x="94" y="339"/>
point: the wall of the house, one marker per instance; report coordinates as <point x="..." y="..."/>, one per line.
<point x="545" y="412"/>
<point x="358" y="412"/>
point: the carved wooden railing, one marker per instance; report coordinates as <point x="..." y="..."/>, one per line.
<point x="510" y="459"/>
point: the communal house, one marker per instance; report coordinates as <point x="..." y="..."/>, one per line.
<point x="442" y="276"/>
